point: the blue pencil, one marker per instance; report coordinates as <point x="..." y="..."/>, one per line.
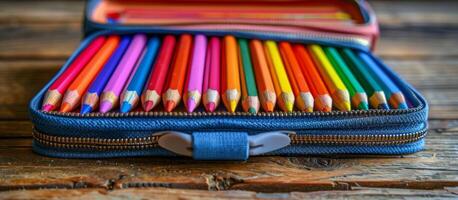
<point x="392" y="91"/>
<point x="134" y="89"/>
<point x="91" y="98"/>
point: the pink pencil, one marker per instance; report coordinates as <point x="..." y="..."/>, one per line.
<point x="55" y="92"/>
<point x="193" y="93"/>
<point x="115" y="85"/>
<point x="211" y="85"/>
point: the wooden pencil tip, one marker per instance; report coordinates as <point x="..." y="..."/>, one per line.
<point x="210" y="106"/>
<point x="232" y="105"/>
<point x="47" y="107"/>
<point x="169" y="106"/>
<point x="270" y="107"/>
<point x="65" y="107"/>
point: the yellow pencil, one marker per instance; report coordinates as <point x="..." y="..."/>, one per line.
<point x="339" y="93"/>
<point x="284" y="91"/>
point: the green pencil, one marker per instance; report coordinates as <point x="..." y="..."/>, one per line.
<point x="357" y="93"/>
<point x="250" y="100"/>
<point x="375" y="93"/>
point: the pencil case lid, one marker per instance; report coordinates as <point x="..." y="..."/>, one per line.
<point x="325" y="18"/>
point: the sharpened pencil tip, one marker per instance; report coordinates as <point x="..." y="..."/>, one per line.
<point x="309" y="109"/>
<point x="270" y="107"/>
<point x="85" y="109"/>
<point x="363" y="106"/>
<point x="252" y="110"/>
<point x="191" y="105"/>
<point x="105" y="106"/>
<point x="148" y="106"/>
<point x="125" y="107"/>
<point x="403" y="106"/>
<point x="210" y="107"/>
<point x="47" y="107"/>
<point x="65" y="107"/>
<point x="233" y="105"/>
<point x="383" y="106"/>
<point x="169" y="106"/>
<point x="289" y="106"/>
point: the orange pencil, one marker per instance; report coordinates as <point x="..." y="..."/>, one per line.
<point x="323" y="101"/>
<point x="230" y="73"/>
<point x="304" y="98"/>
<point x="79" y="86"/>
<point x="177" y="75"/>
<point x="264" y="82"/>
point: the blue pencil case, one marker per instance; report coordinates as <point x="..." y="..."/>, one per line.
<point x="224" y="135"/>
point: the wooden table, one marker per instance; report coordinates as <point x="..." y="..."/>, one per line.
<point x="419" y="39"/>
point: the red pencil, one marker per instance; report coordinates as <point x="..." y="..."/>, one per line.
<point x="152" y="94"/>
<point x="55" y="92"/>
<point x="177" y="76"/>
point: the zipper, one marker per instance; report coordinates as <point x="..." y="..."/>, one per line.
<point x="371" y="112"/>
<point x="105" y="144"/>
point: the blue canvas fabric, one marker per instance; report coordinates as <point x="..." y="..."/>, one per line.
<point x="220" y="145"/>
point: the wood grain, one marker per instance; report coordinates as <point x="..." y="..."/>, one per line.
<point x="185" y="194"/>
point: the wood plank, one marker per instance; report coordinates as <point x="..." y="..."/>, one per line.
<point x="438" y="73"/>
<point x="39" y="41"/>
<point x="433" y="168"/>
<point x="417" y="42"/>
<point x="15" y="129"/>
<point x="166" y="193"/>
<point x="21" y="80"/>
<point x="416" y="13"/>
<point x="42" y="12"/>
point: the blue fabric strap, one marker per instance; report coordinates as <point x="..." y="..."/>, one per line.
<point x="220" y="145"/>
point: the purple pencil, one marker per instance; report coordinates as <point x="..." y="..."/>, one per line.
<point x="115" y="85"/>
<point x="193" y="92"/>
<point x="211" y="85"/>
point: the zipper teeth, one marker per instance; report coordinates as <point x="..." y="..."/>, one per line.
<point x="236" y="114"/>
<point x="381" y="139"/>
<point x="152" y="141"/>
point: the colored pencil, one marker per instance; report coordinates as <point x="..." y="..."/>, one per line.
<point x="357" y="93"/>
<point x="264" y="82"/>
<point x="339" y="93"/>
<point x="134" y="89"/>
<point x="230" y="74"/>
<point x="115" y="85"/>
<point x="176" y="79"/>
<point x="193" y="92"/>
<point x="79" y="86"/>
<point x="373" y="90"/>
<point x="55" y="92"/>
<point x="250" y="100"/>
<point x="282" y="86"/>
<point x="158" y="75"/>
<point x="393" y="93"/>
<point x="211" y="84"/>
<point x="304" y="98"/>
<point x="91" y="98"/>
<point x="322" y="99"/>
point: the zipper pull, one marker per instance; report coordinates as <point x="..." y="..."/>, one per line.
<point x="176" y="142"/>
<point x="181" y="143"/>
<point x="270" y="141"/>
